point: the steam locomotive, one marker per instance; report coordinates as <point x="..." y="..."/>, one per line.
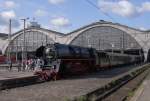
<point x="74" y="60"/>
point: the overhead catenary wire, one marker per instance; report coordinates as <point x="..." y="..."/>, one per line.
<point x="99" y="9"/>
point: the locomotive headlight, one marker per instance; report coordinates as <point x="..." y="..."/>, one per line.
<point x="49" y="53"/>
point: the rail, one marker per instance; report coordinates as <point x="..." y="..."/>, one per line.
<point x="110" y="88"/>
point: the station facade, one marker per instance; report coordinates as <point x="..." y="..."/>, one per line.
<point x="100" y="35"/>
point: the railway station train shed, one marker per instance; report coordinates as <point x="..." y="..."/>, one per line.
<point x="100" y="35"/>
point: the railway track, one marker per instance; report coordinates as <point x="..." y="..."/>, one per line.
<point x="119" y="89"/>
<point x="65" y="89"/>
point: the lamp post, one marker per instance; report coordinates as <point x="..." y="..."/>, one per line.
<point x="24" y="55"/>
<point x="112" y="46"/>
<point x="123" y="42"/>
<point x="9" y="39"/>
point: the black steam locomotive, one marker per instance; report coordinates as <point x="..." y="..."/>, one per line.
<point x="70" y="60"/>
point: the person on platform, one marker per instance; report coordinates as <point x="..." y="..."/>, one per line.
<point x="23" y="65"/>
<point x="10" y="65"/>
<point x="53" y="73"/>
<point x="19" y="66"/>
<point x="32" y="64"/>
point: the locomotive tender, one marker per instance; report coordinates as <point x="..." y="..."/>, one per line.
<point x="70" y="60"/>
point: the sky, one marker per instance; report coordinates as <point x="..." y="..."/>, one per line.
<point x="68" y="15"/>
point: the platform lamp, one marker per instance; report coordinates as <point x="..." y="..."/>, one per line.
<point x="24" y="55"/>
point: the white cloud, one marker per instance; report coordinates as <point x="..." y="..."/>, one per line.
<point x="123" y="7"/>
<point x="5" y="16"/>
<point x="143" y="28"/>
<point x="145" y="7"/>
<point x="4" y="20"/>
<point x="60" y="22"/>
<point x="55" y="2"/>
<point x="41" y="12"/>
<point x="4" y="29"/>
<point x="8" y="5"/>
<point x="8" y="14"/>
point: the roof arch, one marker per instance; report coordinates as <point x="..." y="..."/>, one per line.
<point x="51" y="34"/>
<point x="132" y="32"/>
<point x="99" y="27"/>
<point x="138" y="35"/>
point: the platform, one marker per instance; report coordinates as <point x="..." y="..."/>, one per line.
<point x="143" y="92"/>
<point x="62" y="90"/>
<point x="5" y="74"/>
<point x="13" y="78"/>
